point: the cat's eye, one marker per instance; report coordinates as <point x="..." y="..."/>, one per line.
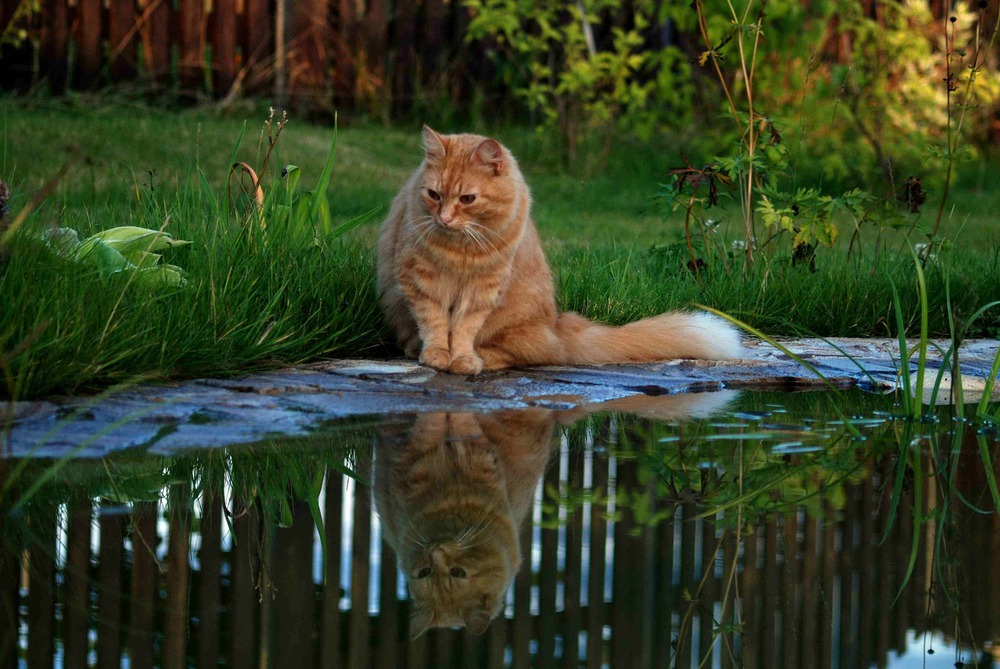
<point x="458" y="572"/>
<point x="434" y="195"/>
<point x="468" y="198"/>
<point x="424" y="573"/>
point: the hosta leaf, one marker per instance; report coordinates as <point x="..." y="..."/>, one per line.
<point x="130" y="238"/>
<point x="143" y="259"/>
<point x="107" y="260"/>
<point x="165" y="275"/>
<point x="62" y="241"/>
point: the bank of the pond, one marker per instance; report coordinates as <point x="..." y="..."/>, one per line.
<point x="166" y="418"/>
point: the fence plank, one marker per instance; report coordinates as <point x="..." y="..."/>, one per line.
<point x="223" y="38"/>
<point x="574" y="566"/>
<point x="257" y="37"/>
<point x="826" y="623"/>
<point x="902" y="542"/>
<point x="109" y="585"/>
<point x="522" y="602"/>
<point x="144" y="589"/>
<point x="771" y="588"/>
<point x="191" y="41"/>
<point x="435" y="19"/>
<point x="664" y="605"/>
<point x="88" y="41"/>
<point x="388" y="619"/>
<point x="445" y="643"/>
<point x="345" y="57"/>
<point x="595" y="577"/>
<point x="76" y="579"/>
<point x="688" y="581"/>
<point x="497" y="642"/>
<point x="359" y="644"/>
<point x="710" y="549"/>
<point x="851" y="530"/>
<point x="627" y="587"/>
<point x="154" y="33"/>
<point x="752" y="602"/>
<point x="121" y="38"/>
<point x="791" y="617"/>
<point x="729" y="594"/>
<point x="548" y="578"/>
<point x="41" y="589"/>
<point x="866" y="593"/>
<point x="243" y="600"/>
<point x="175" y="624"/>
<point x="810" y="601"/>
<point x="293" y="604"/>
<point x="55" y="43"/>
<point x="404" y="58"/>
<point x="10" y="580"/>
<point x="887" y="585"/>
<point x="330" y="625"/>
<point x="210" y="580"/>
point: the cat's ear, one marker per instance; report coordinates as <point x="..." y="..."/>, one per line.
<point x="476" y="620"/>
<point x="421" y="620"/>
<point x="489" y="154"/>
<point x="434" y="144"/>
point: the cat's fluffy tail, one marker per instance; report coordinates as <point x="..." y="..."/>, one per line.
<point x="664" y="337"/>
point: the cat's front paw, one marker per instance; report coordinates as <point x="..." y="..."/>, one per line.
<point x="466" y="364"/>
<point x="438" y="358"/>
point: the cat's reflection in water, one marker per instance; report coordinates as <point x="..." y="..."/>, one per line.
<point x="453" y="489"/>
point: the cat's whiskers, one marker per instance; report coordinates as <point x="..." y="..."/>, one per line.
<point x="465" y="539"/>
<point x="473" y="233"/>
<point x="423" y="226"/>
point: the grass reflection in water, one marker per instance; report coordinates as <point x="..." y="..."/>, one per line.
<point x="689" y="531"/>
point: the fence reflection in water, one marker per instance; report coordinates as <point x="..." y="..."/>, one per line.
<point x="202" y="578"/>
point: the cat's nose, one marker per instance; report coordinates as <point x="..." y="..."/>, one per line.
<point x="439" y="558"/>
<point x="446" y="220"/>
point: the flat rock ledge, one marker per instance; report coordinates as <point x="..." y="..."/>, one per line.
<point x="206" y="413"/>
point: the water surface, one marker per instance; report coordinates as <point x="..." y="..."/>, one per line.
<point x="712" y="530"/>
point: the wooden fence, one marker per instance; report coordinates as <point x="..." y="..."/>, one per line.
<point x="816" y="591"/>
<point x="333" y="51"/>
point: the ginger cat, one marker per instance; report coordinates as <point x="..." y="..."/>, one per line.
<point x="466" y="287"/>
<point x="452" y="493"/>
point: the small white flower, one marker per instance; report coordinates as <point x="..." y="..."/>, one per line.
<point x="739" y="245"/>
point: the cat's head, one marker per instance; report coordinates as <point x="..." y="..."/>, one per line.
<point x="459" y="582"/>
<point x="468" y="181"/>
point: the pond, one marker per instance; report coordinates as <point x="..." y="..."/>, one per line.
<point x="720" y="529"/>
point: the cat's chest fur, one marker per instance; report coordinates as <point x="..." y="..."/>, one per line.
<point x="456" y="275"/>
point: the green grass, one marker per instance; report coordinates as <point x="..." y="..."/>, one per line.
<point x="255" y="300"/>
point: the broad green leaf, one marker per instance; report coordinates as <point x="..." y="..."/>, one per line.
<point x="63" y="241"/>
<point x="127" y="239"/>
<point x="107" y="259"/>
<point x="165" y="275"/>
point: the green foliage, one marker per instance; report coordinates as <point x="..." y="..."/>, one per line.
<point x="580" y="84"/>
<point x="21" y="23"/>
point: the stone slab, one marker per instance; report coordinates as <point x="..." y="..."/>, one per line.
<point x="206" y="413"/>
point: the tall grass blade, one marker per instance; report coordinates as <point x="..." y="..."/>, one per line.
<point x="991" y="477"/>
<point x="918" y="505"/>
<point x="922" y="345"/>
<point x="904" y="354"/>
<point x="797" y="358"/>
<point x="319" y="195"/>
